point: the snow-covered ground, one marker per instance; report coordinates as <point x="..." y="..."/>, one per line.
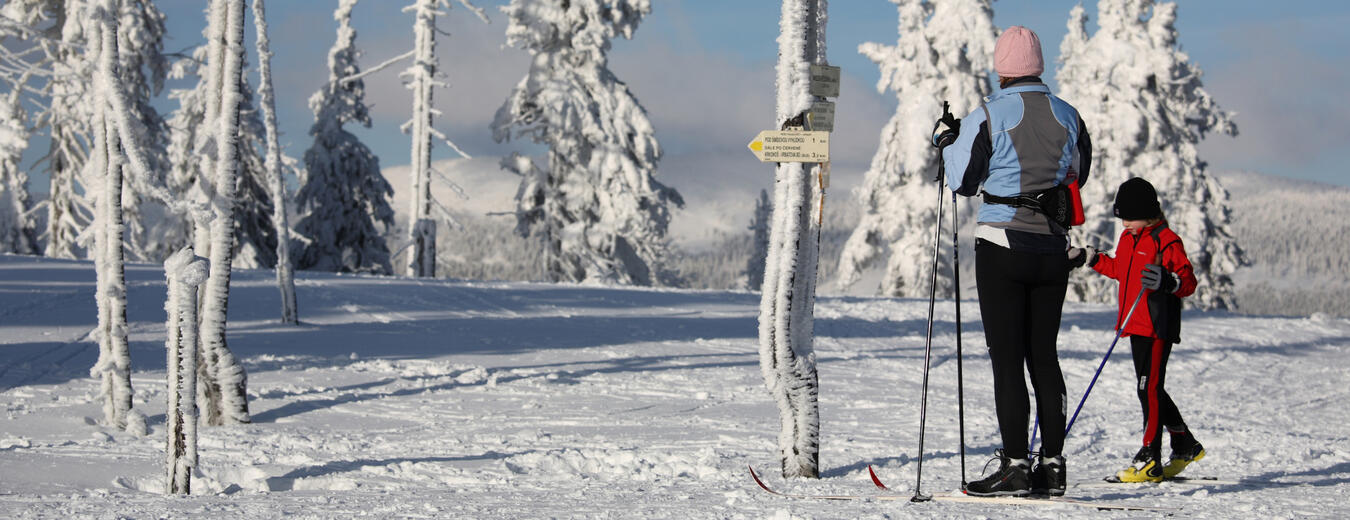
<point x="441" y="399"/>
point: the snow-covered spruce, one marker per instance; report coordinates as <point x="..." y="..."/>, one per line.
<point x="943" y="53"/>
<point x="18" y="228"/>
<point x="183" y="272"/>
<point x="342" y="196"/>
<point x="421" y="79"/>
<point x="759" y="239"/>
<point x="595" y="204"/>
<point x="787" y="300"/>
<point x="67" y="118"/>
<point x="223" y="380"/>
<point x="277" y="186"/>
<point x="1144" y="102"/>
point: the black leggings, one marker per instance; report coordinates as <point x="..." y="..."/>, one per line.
<point x="1150" y="373"/>
<point x="1021" y="297"/>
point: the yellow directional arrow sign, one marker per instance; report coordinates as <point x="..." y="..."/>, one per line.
<point x="791" y="146"/>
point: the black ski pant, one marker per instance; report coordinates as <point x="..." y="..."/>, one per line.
<point x="1021" y="298"/>
<point x="1150" y="374"/>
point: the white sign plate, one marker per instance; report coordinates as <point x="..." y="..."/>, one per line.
<point x="791" y="146"/>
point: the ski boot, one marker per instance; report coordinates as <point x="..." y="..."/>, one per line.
<point x="1182" y="457"/>
<point x="1144" y="468"/>
<point x="1011" y="479"/>
<point x="1047" y="478"/>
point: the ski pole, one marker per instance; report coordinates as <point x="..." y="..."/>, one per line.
<point x="928" y="343"/>
<point x="960" y="379"/>
<point x="1119" y="332"/>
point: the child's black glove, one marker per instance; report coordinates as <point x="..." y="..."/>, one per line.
<point x="1157" y="278"/>
<point x="1080" y="256"/>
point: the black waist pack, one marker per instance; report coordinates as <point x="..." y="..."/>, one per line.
<point x="1061" y="204"/>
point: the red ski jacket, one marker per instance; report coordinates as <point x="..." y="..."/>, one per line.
<point x="1158" y="315"/>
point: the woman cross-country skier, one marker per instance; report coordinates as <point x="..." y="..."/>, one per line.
<point x="1150" y="258"/>
<point x="1021" y="143"/>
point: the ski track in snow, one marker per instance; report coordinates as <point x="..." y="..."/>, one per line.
<point x="437" y="399"/>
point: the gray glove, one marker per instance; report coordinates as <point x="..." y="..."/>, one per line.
<point x="1080" y="256"/>
<point x="1157" y="278"/>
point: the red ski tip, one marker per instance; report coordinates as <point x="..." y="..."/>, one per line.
<point x="757" y="480"/>
<point x="875" y="479"/>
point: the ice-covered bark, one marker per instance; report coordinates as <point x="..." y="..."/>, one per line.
<point x="1145" y="105"/>
<point x="787" y="301"/>
<point x="225" y="380"/>
<point x="183" y="272"/>
<point x="113" y="367"/>
<point x="943" y="53"/>
<point x="285" y="274"/>
<point x="596" y="205"/>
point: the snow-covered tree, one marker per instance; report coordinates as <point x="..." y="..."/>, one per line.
<point x="192" y="165"/>
<point x="112" y="110"/>
<point x="759" y="238"/>
<point x="944" y="52"/>
<point x="141" y="69"/>
<point x="422" y="81"/>
<point x="787" y="300"/>
<point x="595" y="205"/>
<point x="1145" y="104"/>
<point x="343" y="196"/>
<point x="67" y="120"/>
<point x="285" y="275"/>
<point x="60" y="31"/>
<point x="223" y="381"/>
<point x="18" y="232"/>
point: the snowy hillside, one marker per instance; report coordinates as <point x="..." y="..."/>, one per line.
<point x="434" y="399"/>
<point x="1292" y="232"/>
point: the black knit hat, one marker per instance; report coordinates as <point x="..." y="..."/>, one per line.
<point x="1137" y="200"/>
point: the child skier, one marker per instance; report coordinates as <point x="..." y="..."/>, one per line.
<point x="1150" y="263"/>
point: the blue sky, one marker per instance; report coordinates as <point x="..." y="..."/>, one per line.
<point x="703" y="69"/>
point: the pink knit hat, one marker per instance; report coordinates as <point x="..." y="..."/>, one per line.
<point x="1018" y="53"/>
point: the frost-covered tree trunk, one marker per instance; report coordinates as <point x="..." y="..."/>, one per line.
<point x="421" y="229"/>
<point x="599" y="212"/>
<point x="141" y="70"/>
<point x="1147" y="109"/>
<point x="759" y="237"/>
<point x="342" y="197"/>
<point x="943" y="53"/>
<point x="787" y="356"/>
<point x="183" y="272"/>
<point x="285" y="275"/>
<point x="421" y="77"/>
<point x="114" y="361"/>
<point x="224" y="377"/>
<point x="18" y="230"/>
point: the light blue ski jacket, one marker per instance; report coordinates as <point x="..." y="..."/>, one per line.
<point x="1029" y="141"/>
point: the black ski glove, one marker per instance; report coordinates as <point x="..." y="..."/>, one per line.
<point x="1157" y="278"/>
<point x="1080" y="256"/>
<point x="945" y="130"/>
